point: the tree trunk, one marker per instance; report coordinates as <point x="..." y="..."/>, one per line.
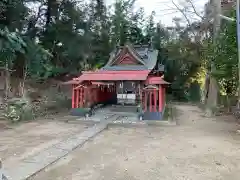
<point x="213" y="90"/>
<point x="206" y="89"/>
<point x="18" y="75"/>
<point x="212" y="97"/>
<point x="7" y="82"/>
<point x="52" y="11"/>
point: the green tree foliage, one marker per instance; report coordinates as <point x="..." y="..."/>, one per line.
<point x="226" y="59"/>
<point x="47" y="38"/>
<point x="11" y="44"/>
<point x="183" y="63"/>
<point x="68" y="36"/>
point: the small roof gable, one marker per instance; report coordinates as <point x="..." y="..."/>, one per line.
<point x="143" y="54"/>
<point x="122" y="51"/>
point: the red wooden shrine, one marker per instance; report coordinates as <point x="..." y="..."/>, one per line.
<point x="131" y="70"/>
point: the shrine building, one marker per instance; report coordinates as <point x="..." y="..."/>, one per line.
<point x="132" y="76"/>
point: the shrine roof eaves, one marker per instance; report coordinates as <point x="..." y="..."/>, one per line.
<point x="151" y="59"/>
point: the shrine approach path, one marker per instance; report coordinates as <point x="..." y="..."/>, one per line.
<point x="196" y="149"/>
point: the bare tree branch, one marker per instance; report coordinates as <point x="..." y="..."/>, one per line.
<point x="194" y="9"/>
<point x="185" y="16"/>
<point x="183" y="13"/>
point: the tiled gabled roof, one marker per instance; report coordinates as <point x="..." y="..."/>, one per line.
<point x="147" y="55"/>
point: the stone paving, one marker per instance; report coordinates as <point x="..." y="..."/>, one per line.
<point x="120" y="113"/>
<point x="33" y="164"/>
<point x="37" y="162"/>
<point x="27" y="167"/>
<point x="19" y="141"/>
<point x="122" y="116"/>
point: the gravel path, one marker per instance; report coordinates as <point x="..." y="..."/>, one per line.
<point x="199" y="148"/>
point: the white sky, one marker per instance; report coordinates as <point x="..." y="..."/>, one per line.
<point x="162" y="8"/>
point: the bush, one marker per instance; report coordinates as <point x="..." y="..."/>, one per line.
<point x="11" y="113"/>
<point x="18" y="109"/>
<point x="169" y="112"/>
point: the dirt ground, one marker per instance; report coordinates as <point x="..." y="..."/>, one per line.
<point x="199" y="148"/>
<point x="30" y="138"/>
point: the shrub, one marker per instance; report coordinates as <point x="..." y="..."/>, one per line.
<point x="18" y="109"/>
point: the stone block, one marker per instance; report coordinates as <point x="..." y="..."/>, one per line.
<point x="47" y="156"/>
<point x="71" y="143"/>
<point x="22" y="170"/>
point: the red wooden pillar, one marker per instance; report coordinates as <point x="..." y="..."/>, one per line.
<point x="108" y="93"/>
<point x="160" y="103"/>
<point x="83" y="96"/>
<point x="155" y="100"/>
<point x="77" y="98"/>
<point x="140" y="93"/>
<point x="90" y="95"/>
<point x="111" y="92"/>
<point x="104" y="93"/>
<point x="73" y="96"/>
<point x="80" y="97"/>
<point x="101" y="94"/>
<point x="150" y="106"/>
<point x="145" y="101"/>
<point x="93" y="95"/>
<point x="97" y="95"/>
<point x="163" y="96"/>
